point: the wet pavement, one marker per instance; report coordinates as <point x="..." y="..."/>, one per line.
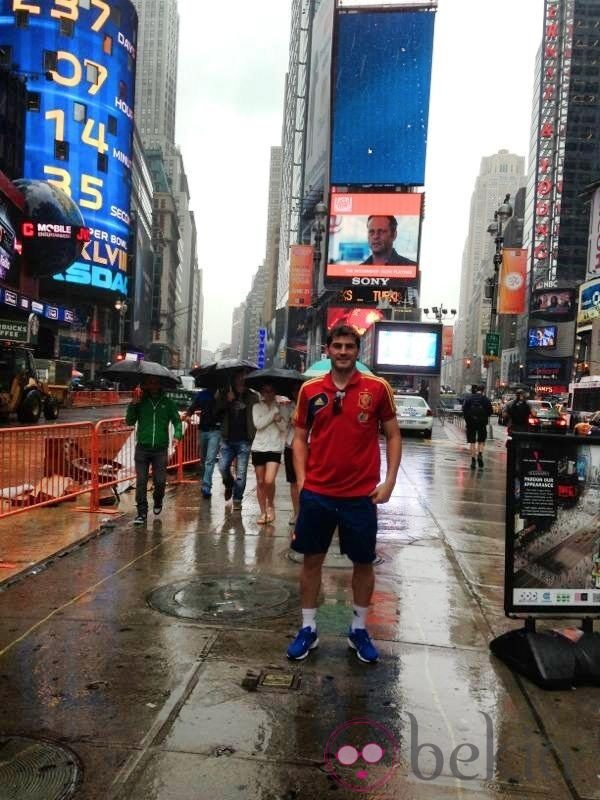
<point x="101" y="653"/>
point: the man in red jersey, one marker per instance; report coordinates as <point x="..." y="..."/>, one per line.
<point x="337" y="462"/>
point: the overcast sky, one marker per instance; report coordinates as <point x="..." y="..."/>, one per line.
<point x="233" y="57"/>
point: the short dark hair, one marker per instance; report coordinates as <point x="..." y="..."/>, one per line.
<point x="343" y="330"/>
<point x="476" y="388"/>
<point x="392" y="220"/>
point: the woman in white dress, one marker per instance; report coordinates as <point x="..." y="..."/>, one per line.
<point x="266" y="450"/>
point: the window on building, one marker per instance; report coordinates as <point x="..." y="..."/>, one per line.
<point x="102" y="162"/>
<point x="107" y="45"/>
<point x="33" y="101"/>
<point x="84" y="4"/>
<point x="79" y="112"/>
<point x="91" y="73"/>
<point x="50" y="60"/>
<point x="112" y="125"/>
<point x="66" y="27"/>
<point x="61" y="150"/>
<point x="21" y="19"/>
<point x="5" y="55"/>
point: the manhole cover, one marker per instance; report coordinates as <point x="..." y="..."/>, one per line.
<point x="333" y="559"/>
<point x="33" y="769"/>
<point x="217" y="597"/>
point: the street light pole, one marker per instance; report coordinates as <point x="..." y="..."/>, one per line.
<point x="439" y="313"/>
<point x="318" y="230"/>
<point x="496" y="230"/>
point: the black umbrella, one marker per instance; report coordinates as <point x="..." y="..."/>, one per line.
<point x="131" y="373"/>
<point x="282" y="380"/>
<point x="220" y="373"/>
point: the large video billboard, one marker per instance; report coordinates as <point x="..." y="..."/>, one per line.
<point x="79" y="58"/>
<point x="589" y="304"/>
<point x="381" y="86"/>
<point x="358" y="317"/>
<point x="374" y="237"/>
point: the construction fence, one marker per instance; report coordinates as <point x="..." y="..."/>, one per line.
<point x="45" y="465"/>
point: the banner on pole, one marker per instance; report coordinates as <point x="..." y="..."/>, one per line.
<point x="511" y="299"/>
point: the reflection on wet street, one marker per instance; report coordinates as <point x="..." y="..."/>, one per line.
<point x="157" y="657"/>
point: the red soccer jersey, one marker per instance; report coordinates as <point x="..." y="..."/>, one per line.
<point x="343" y="449"/>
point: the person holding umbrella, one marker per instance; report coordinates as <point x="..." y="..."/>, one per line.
<point x="285" y="382"/>
<point x="267" y="446"/>
<point x="153" y="412"/>
<point x="237" y="434"/>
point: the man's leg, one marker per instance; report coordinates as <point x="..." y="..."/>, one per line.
<point x="159" y="476"/>
<point x="142" y="464"/>
<point x="472" y="439"/>
<point x="358" y="536"/>
<point x="213" y="439"/>
<point x="482" y="436"/>
<point x="243" y="456"/>
<point x="310" y="581"/>
<point x="314" y="529"/>
<point x="225" y="461"/>
<point x="363" y="584"/>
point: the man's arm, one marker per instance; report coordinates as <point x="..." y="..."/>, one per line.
<point x="300" y="453"/>
<point x="131" y="415"/>
<point x="393" y="450"/>
<point x="176" y="420"/>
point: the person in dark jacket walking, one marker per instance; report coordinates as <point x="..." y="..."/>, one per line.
<point x="518" y="412"/>
<point x="211" y="420"/>
<point x="238" y="431"/>
<point x="477" y="410"/>
<point x="153" y="413"/>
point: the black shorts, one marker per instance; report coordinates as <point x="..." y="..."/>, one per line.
<point x="259" y="459"/>
<point x="476" y="433"/>
<point x="320" y="515"/>
<point x="288" y="460"/>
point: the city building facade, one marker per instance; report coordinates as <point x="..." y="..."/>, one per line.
<point x="500" y="174"/>
<point x="158" y="50"/>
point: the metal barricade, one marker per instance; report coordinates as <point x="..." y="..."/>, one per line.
<point x="99" y="398"/>
<point x="44" y="465"/>
<point x="188" y="450"/>
<point x="49" y="464"/>
<point x="113" y="459"/>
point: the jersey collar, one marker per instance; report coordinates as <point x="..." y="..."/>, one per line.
<point x="329" y="384"/>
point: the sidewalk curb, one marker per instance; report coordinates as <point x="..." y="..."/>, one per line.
<point x="34" y="569"/>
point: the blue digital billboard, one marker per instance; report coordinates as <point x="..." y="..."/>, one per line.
<point x="381" y="86"/>
<point x="78" y="59"/>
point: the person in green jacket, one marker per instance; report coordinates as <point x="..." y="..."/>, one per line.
<point x="153" y="412"/>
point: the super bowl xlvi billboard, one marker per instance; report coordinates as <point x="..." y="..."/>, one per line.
<point x="79" y="59"/>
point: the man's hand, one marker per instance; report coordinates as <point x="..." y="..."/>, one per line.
<point x="230" y="396"/>
<point x="382" y="493"/>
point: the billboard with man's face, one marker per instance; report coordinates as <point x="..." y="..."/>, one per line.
<point x="373" y="237"/>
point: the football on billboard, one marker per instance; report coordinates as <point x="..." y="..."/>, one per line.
<point x="53" y="231"/>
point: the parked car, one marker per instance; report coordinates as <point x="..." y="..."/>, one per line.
<point x="414" y="414"/>
<point x="545" y="418"/>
